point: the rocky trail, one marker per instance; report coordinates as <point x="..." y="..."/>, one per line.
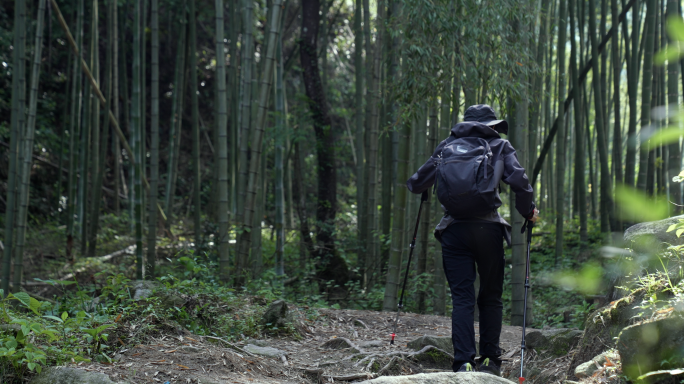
<point x="338" y="346"/>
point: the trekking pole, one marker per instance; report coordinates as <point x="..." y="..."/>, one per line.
<point x="529" y="225"/>
<point x="423" y="199"/>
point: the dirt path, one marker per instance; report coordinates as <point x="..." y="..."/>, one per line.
<point x="188" y="358"/>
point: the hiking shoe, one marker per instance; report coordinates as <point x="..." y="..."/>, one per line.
<point x="488" y="366"/>
<point x="466" y="367"/>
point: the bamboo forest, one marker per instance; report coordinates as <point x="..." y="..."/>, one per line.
<point x="196" y="191"/>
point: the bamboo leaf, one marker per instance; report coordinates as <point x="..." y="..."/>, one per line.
<point x="675" y="27"/>
<point x="670" y="52"/>
<point x="664" y="136"/>
<point x="636" y="205"/>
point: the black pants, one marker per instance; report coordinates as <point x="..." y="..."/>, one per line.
<point x="465" y="244"/>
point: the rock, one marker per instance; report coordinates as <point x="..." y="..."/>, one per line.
<point x="190" y="349"/>
<point x="432" y="357"/>
<point x="65" y="375"/>
<point x="557" y="341"/>
<point x="340" y="343"/>
<point x="372" y="344"/>
<point x="602" y="327"/>
<point x="654" y="231"/>
<point x="587" y="369"/>
<point x="258" y="343"/>
<point x="442" y="342"/>
<point x="644" y="346"/>
<point x="145" y="288"/>
<point x="265" y="351"/>
<point x="276" y="314"/>
<point x="441" y="378"/>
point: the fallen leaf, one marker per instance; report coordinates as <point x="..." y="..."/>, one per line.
<point x="190" y="338"/>
<point x="608" y="363"/>
<point x="519" y="63"/>
<point x="122" y="343"/>
<point x="137" y="354"/>
<point x="171" y="351"/>
<point x="118" y="317"/>
<point x="183" y="366"/>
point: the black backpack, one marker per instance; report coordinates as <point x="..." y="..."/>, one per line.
<point x="466" y="181"/>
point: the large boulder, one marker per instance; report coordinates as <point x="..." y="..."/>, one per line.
<point x="65" y="375"/>
<point x="602" y="327"/>
<point x="651" y="346"/>
<point x="654" y="232"/>
<point x="441" y="378"/>
<point x="556" y="341"/>
<point x="442" y="342"/>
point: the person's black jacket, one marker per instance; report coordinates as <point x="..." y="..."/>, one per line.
<point x="505" y="162"/>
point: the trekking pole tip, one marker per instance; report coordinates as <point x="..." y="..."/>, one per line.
<point x="392" y="341"/>
<point x="520" y="380"/>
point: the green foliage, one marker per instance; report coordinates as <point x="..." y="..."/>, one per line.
<point x="637" y="205"/>
<point x="678" y="227"/>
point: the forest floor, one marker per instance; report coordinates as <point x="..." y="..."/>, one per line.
<point x="180" y="357"/>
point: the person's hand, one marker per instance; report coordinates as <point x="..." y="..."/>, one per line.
<point x="535" y="216"/>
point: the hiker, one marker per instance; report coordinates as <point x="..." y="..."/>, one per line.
<point x="467" y="168"/>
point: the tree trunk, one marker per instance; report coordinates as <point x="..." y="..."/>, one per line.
<point x="632" y="90"/>
<point x="375" y="98"/>
<point x="176" y="120"/>
<point x="196" y="166"/>
<point x="74" y="130"/>
<point x="222" y="152"/>
<point x="560" y="143"/>
<point x="331" y="266"/>
<point x="95" y="187"/>
<point x="606" y="204"/>
<point x="116" y="145"/>
<point x="617" y="127"/>
<point x="244" y="242"/>
<point x="360" y="133"/>
<point x="579" y="177"/>
<point x="154" y="148"/>
<point x="646" y="89"/>
<point x="399" y="208"/>
<point x="280" y="139"/>
<point x="674" y="151"/>
<point x="24" y="173"/>
<point x="247" y="59"/>
<point x="307" y="246"/>
<point x="438" y="276"/>
<point x="136" y="127"/>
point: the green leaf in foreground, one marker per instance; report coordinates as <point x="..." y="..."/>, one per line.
<point x="664" y="136"/>
<point x="675" y="28"/>
<point x="635" y="205"/>
<point x="587" y="280"/>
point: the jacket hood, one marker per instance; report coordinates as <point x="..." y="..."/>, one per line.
<point x="474" y="129"/>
